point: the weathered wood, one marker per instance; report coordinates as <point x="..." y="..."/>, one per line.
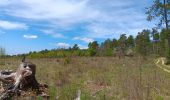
<point x="6" y="76"/>
<point x="22" y="79"/>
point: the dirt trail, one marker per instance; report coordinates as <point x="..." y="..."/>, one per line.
<point x="160" y="62"/>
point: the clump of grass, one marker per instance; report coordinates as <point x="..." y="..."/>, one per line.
<point x="67" y="60"/>
<point x="159" y="98"/>
<point x="86" y="96"/>
<point x="39" y="98"/>
<point x="68" y="92"/>
<point x="52" y="92"/>
<point x="103" y="80"/>
<point x="63" y="79"/>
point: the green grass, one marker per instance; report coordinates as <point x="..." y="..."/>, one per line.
<point x="100" y="78"/>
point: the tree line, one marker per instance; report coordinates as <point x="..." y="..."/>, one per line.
<point x="147" y="42"/>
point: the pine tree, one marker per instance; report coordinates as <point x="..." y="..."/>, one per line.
<point x="160" y="10"/>
<point x="75" y="47"/>
<point x="143" y="43"/>
<point x="130" y="42"/>
<point x="156" y="41"/>
<point x="92" y="48"/>
<point x="122" y="42"/>
<point x="163" y="42"/>
<point x="107" y="48"/>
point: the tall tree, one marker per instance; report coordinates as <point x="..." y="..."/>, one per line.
<point x="143" y="43"/>
<point x="115" y="43"/>
<point x="130" y="46"/>
<point x="163" y="41"/>
<point x="107" y="48"/>
<point x="122" y="42"/>
<point x="130" y="42"/>
<point x="75" y="47"/>
<point x="156" y="41"/>
<point x="161" y="9"/>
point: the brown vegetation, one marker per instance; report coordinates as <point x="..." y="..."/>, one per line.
<point x="101" y="78"/>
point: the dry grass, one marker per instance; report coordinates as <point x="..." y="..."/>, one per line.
<point x="100" y="78"/>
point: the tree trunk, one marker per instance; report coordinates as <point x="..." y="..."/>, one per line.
<point x="165" y="14"/>
<point x="166" y="20"/>
<point x="167" y="28"/>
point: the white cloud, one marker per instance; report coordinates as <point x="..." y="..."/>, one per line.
<point x="37" y="9"/>
<point x="12" y="25"/>
<point x="66" y="45"/>
<point x="84" y="39"/>
<point x="100" y="18"/>
<point x="62" y="45"/>
<point x="59" y="13"/>
<point x="30" y="36"/>
<point x="53" y="33"/>
<point x="82" y="46"/>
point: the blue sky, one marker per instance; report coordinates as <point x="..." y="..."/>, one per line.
<point x="33" y="25"/>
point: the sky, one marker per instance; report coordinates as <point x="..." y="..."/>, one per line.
<point x="34" y="25"/>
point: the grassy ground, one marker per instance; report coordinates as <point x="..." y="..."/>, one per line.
<point x="100" y="78"/>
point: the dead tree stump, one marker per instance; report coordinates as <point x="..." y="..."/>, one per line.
<point x="21" y="80"/>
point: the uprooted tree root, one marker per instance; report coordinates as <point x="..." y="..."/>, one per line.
<point x="28" y="83"/>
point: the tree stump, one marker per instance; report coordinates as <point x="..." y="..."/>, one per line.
<point x="21" y="80"/>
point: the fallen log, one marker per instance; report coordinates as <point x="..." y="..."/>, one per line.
<point x="21" y="80"/>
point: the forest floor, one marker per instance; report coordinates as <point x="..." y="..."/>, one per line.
<point x="100" y="78"/>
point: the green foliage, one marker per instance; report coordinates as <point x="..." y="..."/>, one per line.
<point x="91" y="52"/>
<point x="75" y="47"/>
<point x="143" y="43"/>
<point x="156" y="36"/>
<point x="164" y="41"/>
<point x="130" y="41"/>
<point x="115" y="43"/>
<point x="93" y="47"/>
<point x="108" y="52"/>
<point x="107" y="46"/>
<point x="159" y="10"/>
<point x="124" y="46"/>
